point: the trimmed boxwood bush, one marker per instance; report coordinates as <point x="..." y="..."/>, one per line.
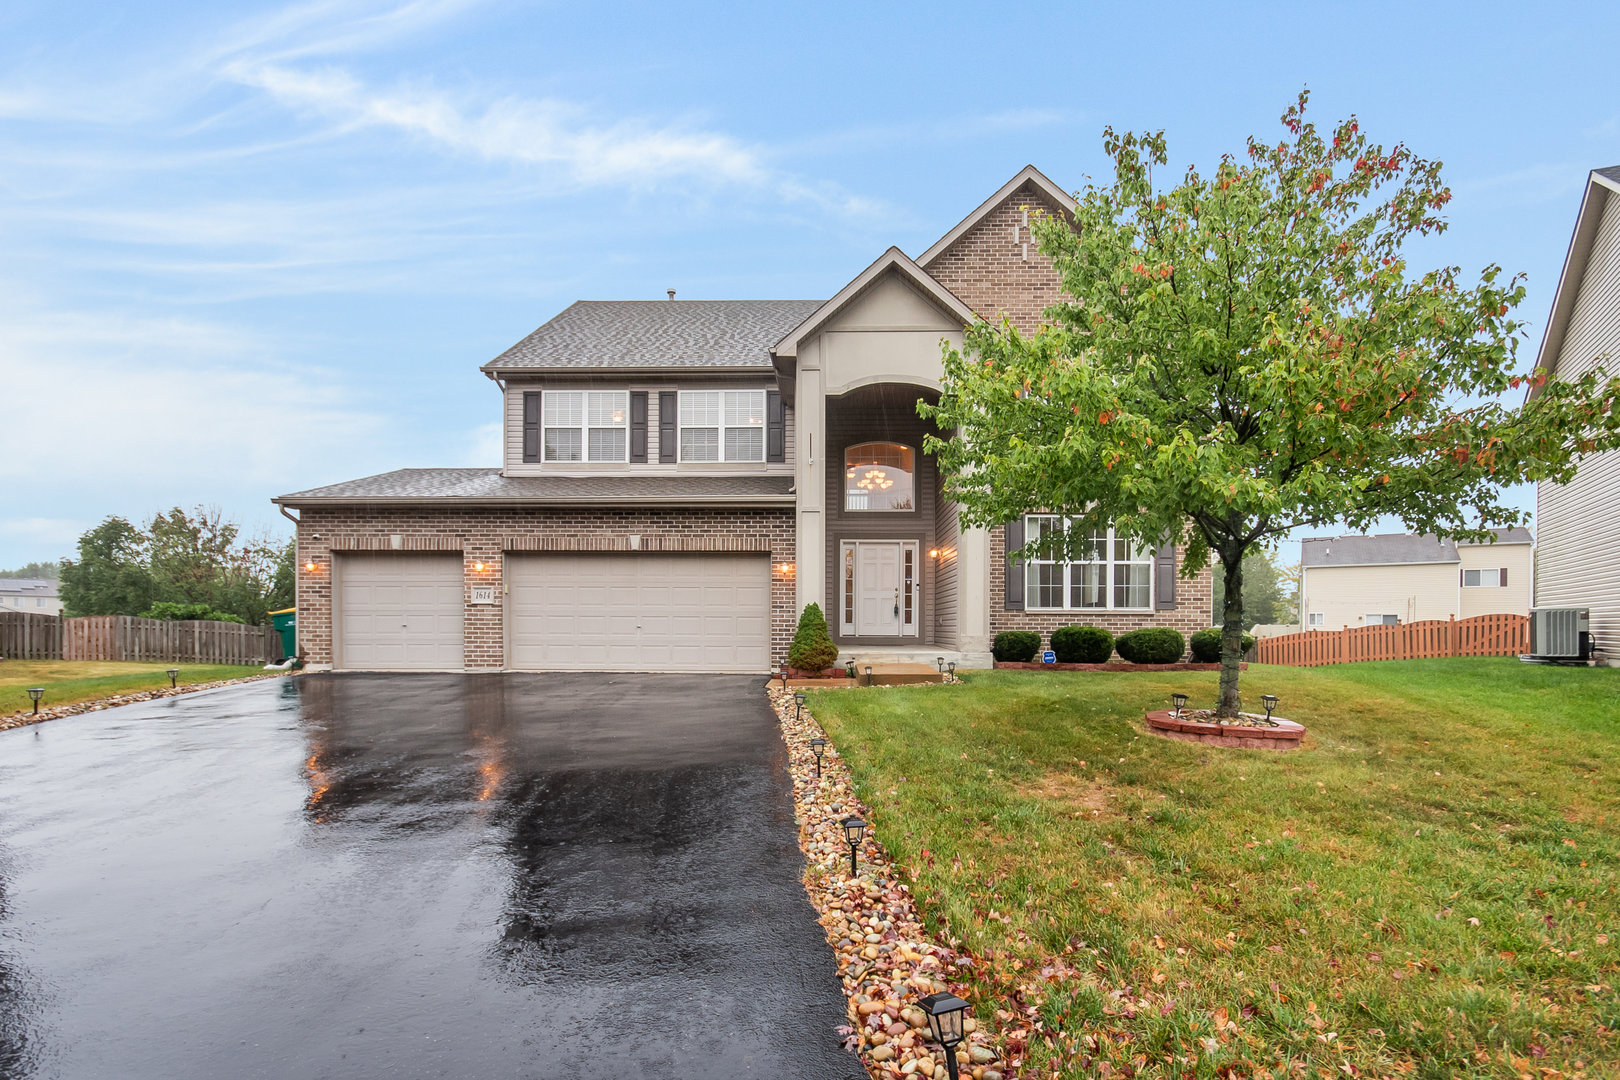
<point x="1151" y="645"/>
<point x="1206" y="645"/>
<point x="1082" y="645"/>
<point x="812" y="648"/>
<point x="1016" y="646"/>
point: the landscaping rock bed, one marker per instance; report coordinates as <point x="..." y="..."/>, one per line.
<point x="23" y="719"/>
<point x="1251" y="733"/>
<point x="1011" y="665"/>
<point x="885" y="957"/>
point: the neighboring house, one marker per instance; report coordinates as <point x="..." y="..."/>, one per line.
<point x="38" y="596"/>
<point x="1401" y="577"/>
<point x="1265" y="630"/>
<point x="1578" y="524"/>
<point x="681" y="477"/>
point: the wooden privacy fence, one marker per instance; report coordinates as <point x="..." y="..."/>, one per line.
<point x="27" y="636"/>
<point x="125" y="637"/>
<point x="1481" y="635"/>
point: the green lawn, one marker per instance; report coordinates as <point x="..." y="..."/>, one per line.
<point x="1427" y="887"/>
<point x="68" y="681"/>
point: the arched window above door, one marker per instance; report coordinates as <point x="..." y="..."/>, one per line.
<point x="879" y="476"/>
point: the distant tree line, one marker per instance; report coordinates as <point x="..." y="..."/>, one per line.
<point x="1270" y="591"/>
<point x="47" y="571"/>
<point x="179" y="566"/>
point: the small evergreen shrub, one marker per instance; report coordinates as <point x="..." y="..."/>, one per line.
<point x="1151" y="645"/>
<point x="1082" y="645"/>
<point x="1206" y="645"/>
<point x="812" y="648"/>
<point x="1016" y="646"/>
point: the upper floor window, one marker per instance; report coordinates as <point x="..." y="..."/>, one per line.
<point x="879" y="476"/>
<point x="1475" y="579"/>
<point x="722" y="425"/>
<point x="586" y="425"/>
<point x="1316" y="619"/>
<point x="1104" y="572"/>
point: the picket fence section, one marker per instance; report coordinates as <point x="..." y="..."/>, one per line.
<point x="27" y="636"/>
<point x="125" y="637"/>
<point x="1481" y="635"/>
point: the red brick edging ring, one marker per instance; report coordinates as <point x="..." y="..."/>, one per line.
<point x="1285" y="736"/>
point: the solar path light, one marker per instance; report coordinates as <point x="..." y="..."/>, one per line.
<point x="798" y="703"/>
<point x="173" y="674"/>
<point x="854" y="829"/>
<point x="1180" y="701"/>
<point x="1270" y="702"/>
<point x="36" y="692"/>
<point x="941" y="662"/>
<point x="951" y="668"/>
<point x="945" y="1024"/>
<point x="819" y="745"/>
<point x="868" y="674"/>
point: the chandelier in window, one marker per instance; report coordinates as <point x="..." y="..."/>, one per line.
<point x="875" y="480"/>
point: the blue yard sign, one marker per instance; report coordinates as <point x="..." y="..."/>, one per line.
<point x="1048" y="657"/>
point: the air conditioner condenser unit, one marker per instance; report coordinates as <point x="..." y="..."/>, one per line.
<point x="1561" y="635"/>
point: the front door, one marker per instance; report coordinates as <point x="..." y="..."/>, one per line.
<point x="881" y="588"/>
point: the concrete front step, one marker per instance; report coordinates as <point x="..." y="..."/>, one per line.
<point x="881" y="654"/>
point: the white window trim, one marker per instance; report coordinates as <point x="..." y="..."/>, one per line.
<point x="721" y="428"/>
<point x="585" y="427"/>
<point x="1494" y="571"/>
<point x="1032" y="562"/>
<point x="1315" y="618"/>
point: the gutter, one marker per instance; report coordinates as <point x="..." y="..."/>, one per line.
<point x="285" y="501"/>
<point x="614" y="372"/>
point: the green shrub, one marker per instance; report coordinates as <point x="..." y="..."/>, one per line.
<point x="1016" y="646"/>
<point x="1206" y="645"/>
<point x="812" y="648"/>
<point x="1082" y="645"/>
<point x="1151" y="645"/>
<point x="176" y="612"/>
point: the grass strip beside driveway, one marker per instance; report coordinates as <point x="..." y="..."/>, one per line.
<point x="1427" y="888"/>
<point x="67" y="682"/>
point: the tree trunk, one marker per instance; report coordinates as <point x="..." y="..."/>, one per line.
<point x="1231" y="634"/>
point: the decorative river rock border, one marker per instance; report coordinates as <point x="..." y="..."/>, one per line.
<point x="1284" y="736"/>
<point x="886" y="959"/>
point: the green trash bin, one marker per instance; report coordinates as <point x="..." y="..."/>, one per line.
<point x="286" y="623"/>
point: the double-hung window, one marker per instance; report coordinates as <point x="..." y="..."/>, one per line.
<point x="1099" y="571"/>
<point x="586" y="425"/>
<point x="722" y="425"/>
<point x="1475" y="579"/>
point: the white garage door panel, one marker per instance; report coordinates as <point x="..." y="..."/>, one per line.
<point x="399" y="612"/>
<point x="578" y="612"/>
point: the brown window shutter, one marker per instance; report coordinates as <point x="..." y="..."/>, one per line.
<point x="1164" y="578"/>
<point x="668" y="414"/>
<point x="638" y="426"/>
<point x="775" y="427"/>
<point x="531" y="425"/>
<point x="1462" y="577"/>
<point x="1012" y="598"/>
<point x="1502" y="581"/>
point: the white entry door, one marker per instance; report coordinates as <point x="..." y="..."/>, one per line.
<point x="885" y="589"/>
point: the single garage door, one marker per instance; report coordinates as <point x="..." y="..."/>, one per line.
<point x="399" y="612"/>
<point x="631" y="612"/>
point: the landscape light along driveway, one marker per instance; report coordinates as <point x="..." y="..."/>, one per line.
<point x="412" y="876"/>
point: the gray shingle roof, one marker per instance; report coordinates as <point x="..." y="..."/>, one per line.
<point x="1612" y="172"/>
<point x="489" y="486"/>
<point x="1390" y="548"/>
<point x="28" y="587"/>
<point x="657" y="334"/>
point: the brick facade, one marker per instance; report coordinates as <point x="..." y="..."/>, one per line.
<point x="485" y="535"/>
<point x="995" y="269"/>
<point x="1194" y="600"/>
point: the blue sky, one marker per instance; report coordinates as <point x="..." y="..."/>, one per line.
<point x="251" y="249"/>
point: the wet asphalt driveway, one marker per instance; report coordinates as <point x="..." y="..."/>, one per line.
<point x="412" y="876"/>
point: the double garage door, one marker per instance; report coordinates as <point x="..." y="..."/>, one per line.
<point x="564" y="612"/>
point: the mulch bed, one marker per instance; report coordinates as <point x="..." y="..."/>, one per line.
<point x="1012" y="665"/>
<point x="23" y="719"/>
<point x="885" y="957"/>
<point x="1250" y="732"/>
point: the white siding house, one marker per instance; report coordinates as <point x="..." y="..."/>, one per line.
<point x="1399" y="578"/>
<point x="1578" y="524"/>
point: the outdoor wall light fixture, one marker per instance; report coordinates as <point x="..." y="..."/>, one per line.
<point x="945" y="1024"/>
<point x="785" y="569"/>
<point x="819" y="745"/>
<point x="1180" y="701"/>
<point x="1270" y="702"/>
<point x="479" y="567"/>
<point x="36" y="692"/>
<point x="854" y="830"/>
<point x="310" y="567"/>
<point x="798" y="703"/>
<point x="933" y="553"/>
<point x="173" y="674"/>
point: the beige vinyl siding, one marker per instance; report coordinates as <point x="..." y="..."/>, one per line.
<point x="1345" y="594"/>
<point x="1514" y="597"/>
<point x="947" y="534"/>
<point x="514" y="465"/>
<point x="1578" y="524"/>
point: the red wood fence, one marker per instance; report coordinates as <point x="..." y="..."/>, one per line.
<point x="27" y="636"/>
<point x="1482" y="635"/>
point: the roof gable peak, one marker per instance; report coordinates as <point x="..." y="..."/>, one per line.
<point x="1029" y="175"/>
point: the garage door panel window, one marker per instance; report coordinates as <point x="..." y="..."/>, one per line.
<point x="586" y="425"/>
<point x="722" y="425"/>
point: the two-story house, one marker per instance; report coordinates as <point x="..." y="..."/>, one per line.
<point x="681" y="477"/>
